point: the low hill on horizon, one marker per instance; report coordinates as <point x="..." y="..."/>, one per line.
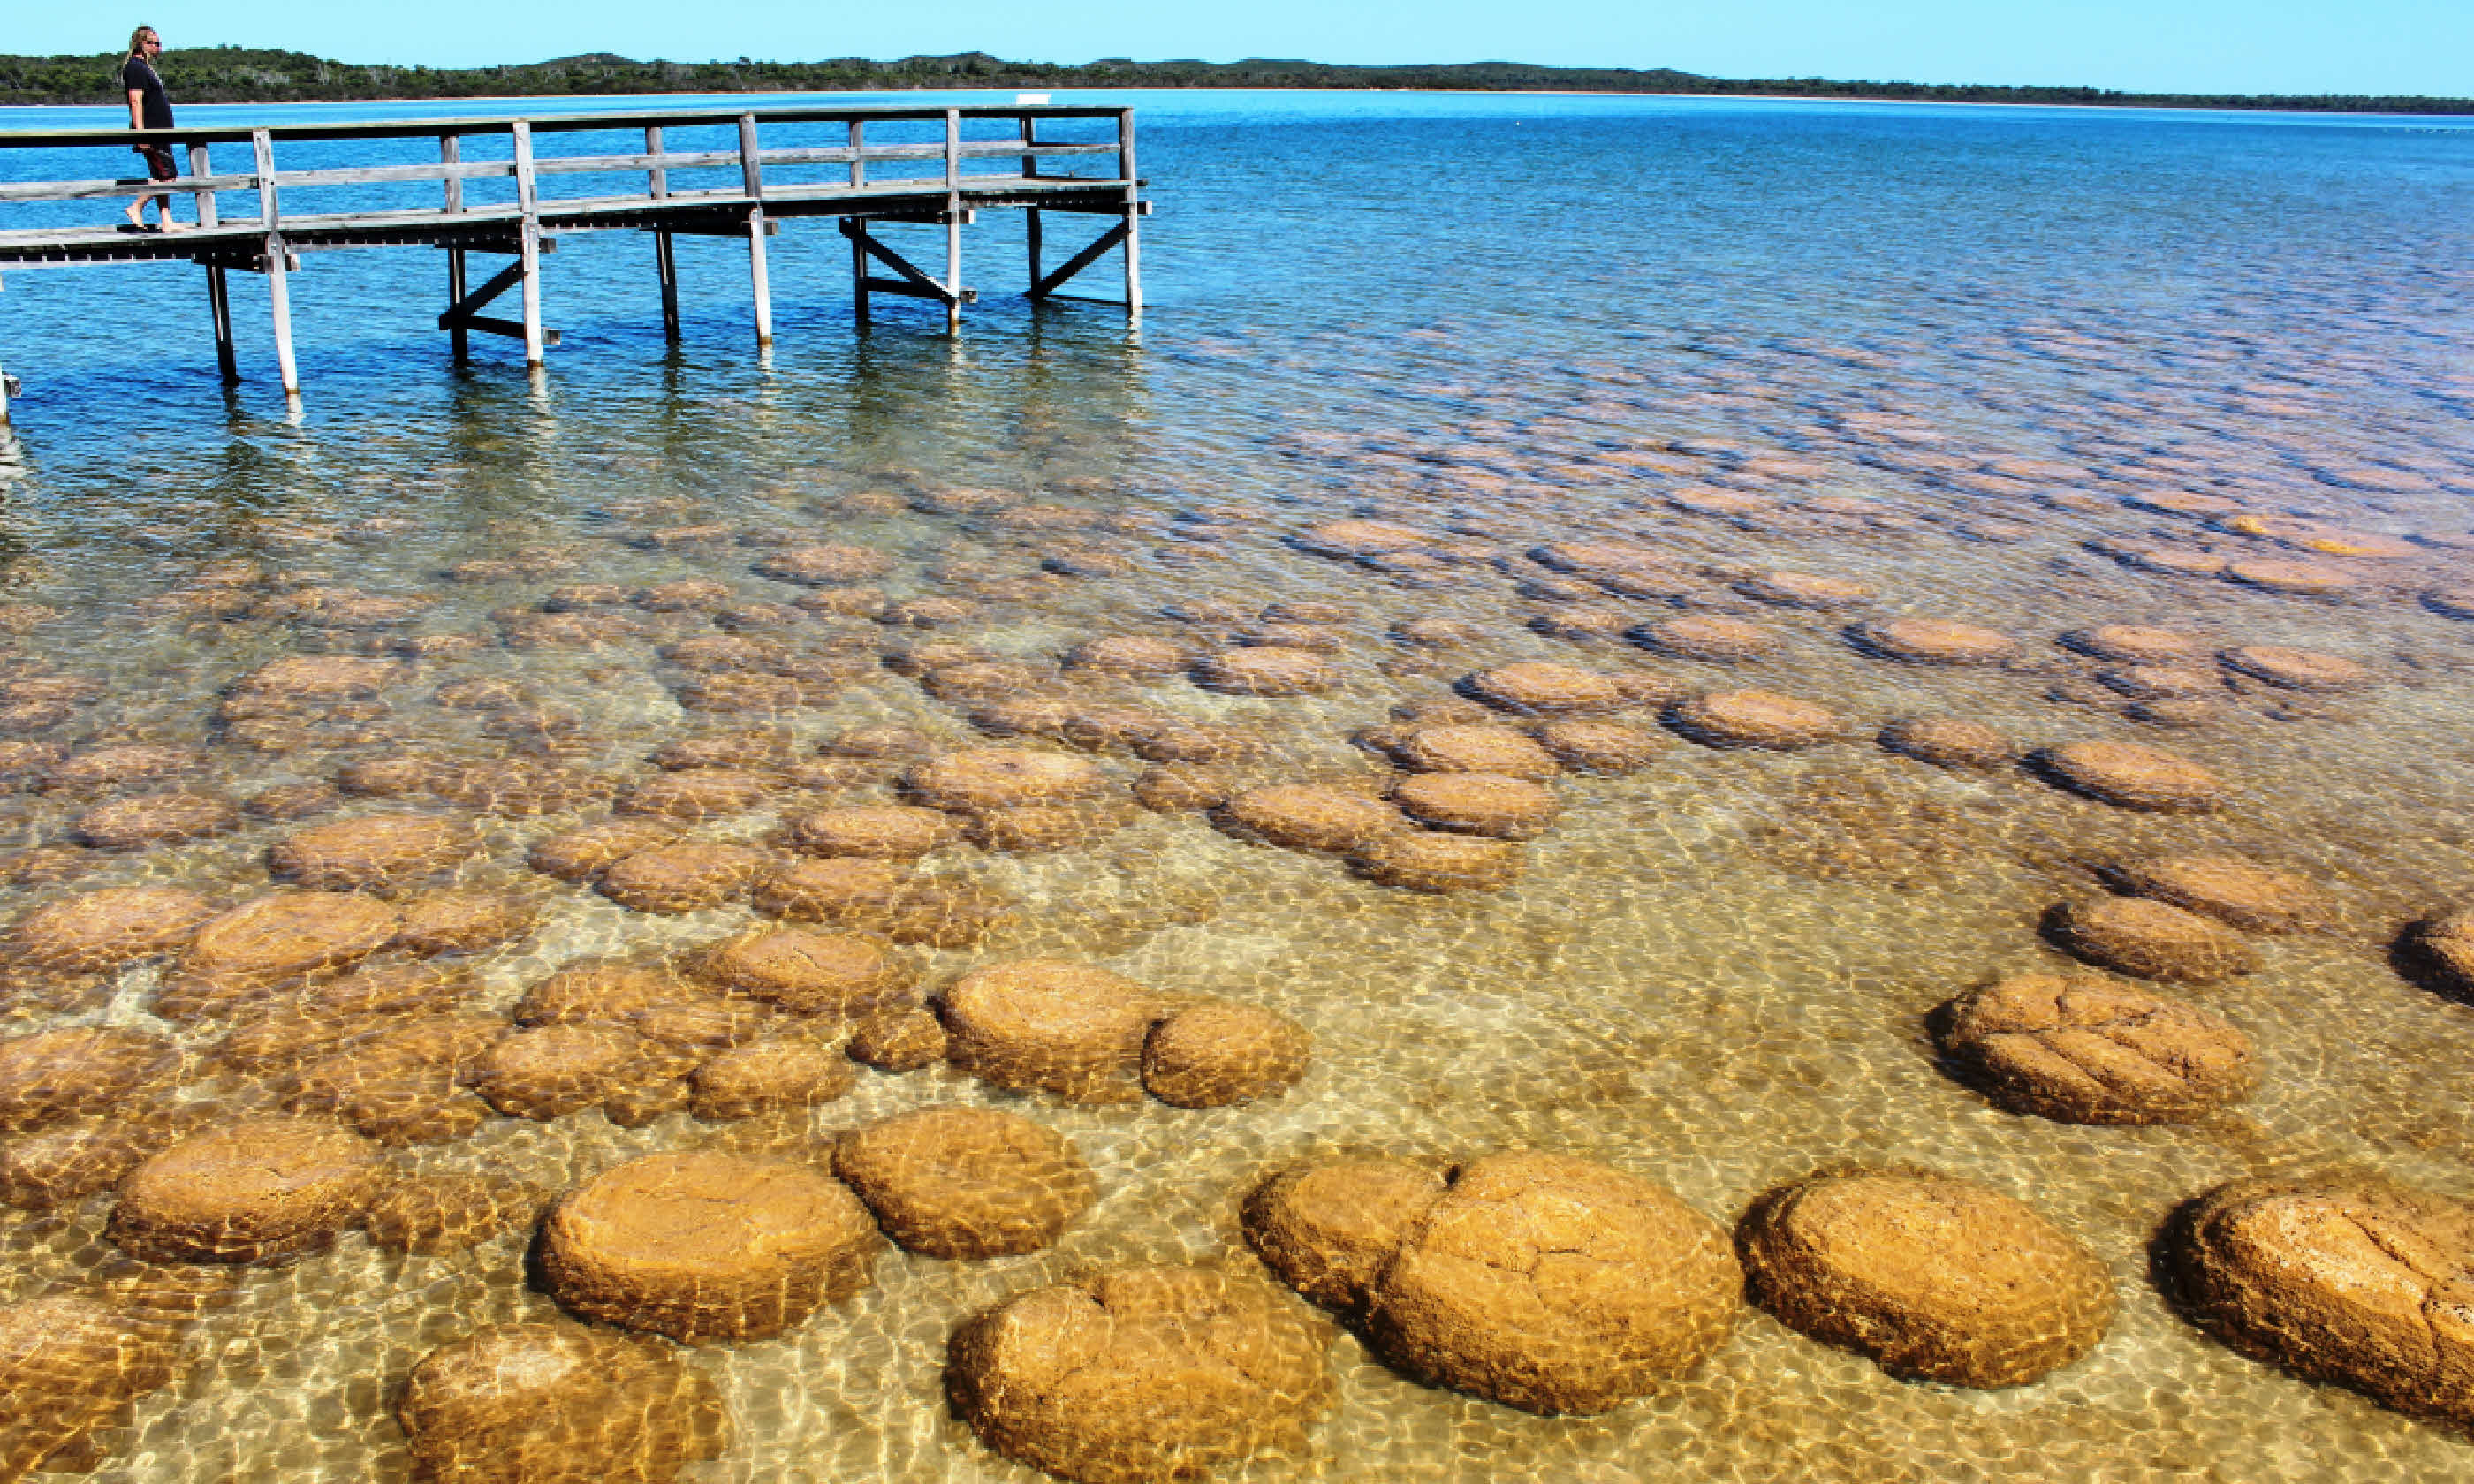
<point x="233" y="74"/>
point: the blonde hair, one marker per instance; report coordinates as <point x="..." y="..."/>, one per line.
<point x="137" y="39"/>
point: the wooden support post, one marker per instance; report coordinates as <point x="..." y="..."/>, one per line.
<point x="666" y="260"/>
<point x="278" y="293"/>
<point x="751" y="171"/>
<point x="1133" y="212"/>
<point x="858" y="238"/>
<point x="529" y="247"/>
<point x="1031" y="214"/>
<point x="200" y="167"/>
<point x="279" y="288"/>
<point x="954" y="220"/>
<point x="450" y="151"/>
<point x="218" y="290"/>
<point x="457" y="337"/>
<point x="219" y="305"/>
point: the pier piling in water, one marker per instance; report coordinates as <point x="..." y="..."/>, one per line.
<point x="937" y="187"/>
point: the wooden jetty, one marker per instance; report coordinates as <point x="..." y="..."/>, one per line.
<point x="493" y="201"/>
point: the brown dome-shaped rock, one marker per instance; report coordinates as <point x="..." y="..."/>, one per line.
<point x="1142" y="1375"/>
<point x="1040" y="828"/>
<point x="1172" y="788"/>
<point x="1216" y="1053"/>
<point x="825" y="565"/>
<point x="1761" y="719"/>
<point x="2229" y="888"/>
<point x="2131" y="776"/>
<point x="704" y="1246"/>
<point x="2296" y="669"/>
<point x="464" y="921"/>
<point x="97" y="930"/>
<point x="2152" y="940"/>
<point x="582" y="854"/>
<point x="996" y="777"/>
<point x="807" y="973"/>
<point x="1802" y="591"/>
<point x="320" y="678"/>
<point x="967" y="1183"/>
<point x="1933" y="641"/>
<point x="2338" y="1278"/>
<point x="441" y="1213"/>
<point x="1479" y="803"/>
<point x="1555" y="1284"/>
<point x="69" y="1363"/>
<point x="1050" y="1025"/>
<point x="249" y="1191"/>
<point x="1947" y="742"/>
<point x="2086" y="1050"/>
<point x="887" y="831"/>
<point x="1418" y="860"/>
<point x="61" y="1072"/>
<point x="1474" y="748"/>
<point x="898" y="1041"/>
<point x="2439" y="952"/>
<point x="685" y="878"/>
<point x="1594" y="745"/>
<point x="555" y="1071"/>
<point x="1330" y="1230"/>
<point x="1307" y="816"/>
<point x="281" y="937"/>
<point x="1932" y="1279"/>
<point x="68" y="1162"/>
<point x="370" y="851"/>
<point x="155" y="819"/>
<point x="591" y="990"/>
<point x="1710" y="636"/>
<point x="697" y="794"/>
<point x="1540" y="688"/>
<point x="767" y="1075"/>
<point x="1135" y="656"/>
<point x="1267" y="670"/>
<point x="557" y="1403"/>
<point x="2311" y="578"/>
<point x="881" y="897"/>
<point x="2137" y="643"/>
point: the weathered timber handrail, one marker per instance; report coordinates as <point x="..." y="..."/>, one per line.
<point x="936" y="178"/>
<point x="559" y="165"/>
<point x="540" y="124"/>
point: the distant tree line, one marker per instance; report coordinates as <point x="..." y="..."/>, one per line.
<point x="233" y="74"/>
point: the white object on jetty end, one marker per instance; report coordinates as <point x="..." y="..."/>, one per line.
<point x="1028" y="100"/>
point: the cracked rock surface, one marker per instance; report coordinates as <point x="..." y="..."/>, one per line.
<point x="1142" y="1373"/>
<point x="2338" y="1278"/>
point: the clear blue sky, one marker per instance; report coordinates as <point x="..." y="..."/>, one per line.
<point x="2247" y="47"/>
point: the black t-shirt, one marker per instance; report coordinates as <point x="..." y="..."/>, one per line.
<point x="137" y="77"/>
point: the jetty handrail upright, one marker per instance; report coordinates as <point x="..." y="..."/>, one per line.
<point x="947" y="194"/>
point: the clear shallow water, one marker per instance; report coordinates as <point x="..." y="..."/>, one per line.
<point x="1941" y="350"/>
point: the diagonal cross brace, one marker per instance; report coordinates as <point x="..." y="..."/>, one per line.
<point x="856" y="231"/>
<point x="1079" y="261"/>
<point x="466" y="313"/>
<point x="461" y="314"/>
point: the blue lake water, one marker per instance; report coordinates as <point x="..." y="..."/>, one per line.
<point x="1586" y="369"/>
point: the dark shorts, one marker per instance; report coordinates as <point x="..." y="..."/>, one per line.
<point x="160" y="164"/>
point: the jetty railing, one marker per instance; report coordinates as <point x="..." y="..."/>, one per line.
<point x="499" y="184"/>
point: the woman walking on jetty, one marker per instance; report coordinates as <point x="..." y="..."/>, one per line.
<point x="149" y="107"/>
